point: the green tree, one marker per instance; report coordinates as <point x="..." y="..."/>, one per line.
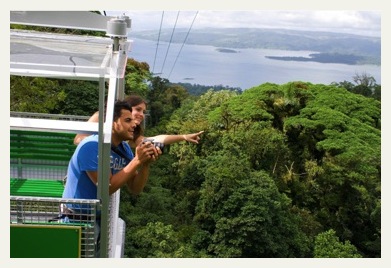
<point x="82" y="98"/>
<point x="377" y="92"/>
<point x="155" y="204"/>
<point x="157" y="240"/>
<point x="344" y="84"/>
<point x="245" y="214"/>
<point x="136" y="78"/>
<point x="164" y="98"/>
<point x="364" y="79"/>
<point x="365" y="85"/>
<point x="36" y="95"/>
<point x="327" y="245"/>
<point x="338" y="132"/>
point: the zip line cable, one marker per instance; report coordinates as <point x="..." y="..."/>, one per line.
<point x="157" y="45"/>
<point x="169" y="44"/>
<point x="182" y="45"/>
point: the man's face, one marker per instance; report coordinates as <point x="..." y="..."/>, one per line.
<point x="123" y="127"/>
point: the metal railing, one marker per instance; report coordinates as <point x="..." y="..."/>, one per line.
<point x="29" y="211"/>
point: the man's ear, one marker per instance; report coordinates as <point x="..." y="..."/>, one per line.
<point x="115" y="125"/>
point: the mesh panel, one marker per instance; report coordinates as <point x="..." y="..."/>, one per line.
<point x="45" y="211"/>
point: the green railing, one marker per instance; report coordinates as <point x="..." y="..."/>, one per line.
<point x="39" y="162"/>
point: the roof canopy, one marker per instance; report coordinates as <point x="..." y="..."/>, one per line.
<point x="59" y="56"/>
<point x="52" y="55"/>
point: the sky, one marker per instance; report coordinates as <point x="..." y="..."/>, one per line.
<point x="342" y="21"/>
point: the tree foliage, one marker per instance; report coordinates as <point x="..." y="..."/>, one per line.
<point x="136" y="77"/>
<point x="245" y="214"/>
<point x="36" y="94"/>
<point x="365" y="85"/>
<point x="82" y="98"/>
<point x="327" y="245"/>
<point x="320" y="144"/>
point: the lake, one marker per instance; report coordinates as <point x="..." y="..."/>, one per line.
<point x="205" y="65"/>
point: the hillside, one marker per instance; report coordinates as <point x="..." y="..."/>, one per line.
<point x="329" y="47"/>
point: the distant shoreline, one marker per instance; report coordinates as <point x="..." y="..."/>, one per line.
<point x="203" y="65"/>
<point x="324" y="58"/>
<point x="332" y="47"/>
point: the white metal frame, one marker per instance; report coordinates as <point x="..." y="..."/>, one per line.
<point x="82" y="58"/>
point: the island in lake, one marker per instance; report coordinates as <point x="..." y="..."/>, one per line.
<point x="323" y="58"/>
<point x="227" y="50"/>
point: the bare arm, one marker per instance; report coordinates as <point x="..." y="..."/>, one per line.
<point x="135" y="174"/>
<point x="169" y="139"/>
<point x="137" y="184"/>
<point x="79" y="137"/>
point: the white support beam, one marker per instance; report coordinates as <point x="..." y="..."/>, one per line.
<point x="19" y="123"/>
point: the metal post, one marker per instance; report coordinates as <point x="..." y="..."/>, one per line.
<point x="116" y="28"/>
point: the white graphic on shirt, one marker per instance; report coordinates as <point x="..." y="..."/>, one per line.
<point x="118" y="163"/>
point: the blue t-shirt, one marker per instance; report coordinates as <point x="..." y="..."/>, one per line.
<point x="85" y="158"/>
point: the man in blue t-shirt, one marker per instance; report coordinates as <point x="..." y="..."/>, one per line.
<point x="126" y="168"/>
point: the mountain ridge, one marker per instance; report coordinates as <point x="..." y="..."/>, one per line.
<point x="336" y="47"/>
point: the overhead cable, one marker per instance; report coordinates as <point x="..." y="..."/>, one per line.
<point x="182" y="45"/>
<point x="169" y="44"/>
<point x="157" y="45"/>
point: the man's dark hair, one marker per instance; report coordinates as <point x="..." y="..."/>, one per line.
<point x="118" y="107"/>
